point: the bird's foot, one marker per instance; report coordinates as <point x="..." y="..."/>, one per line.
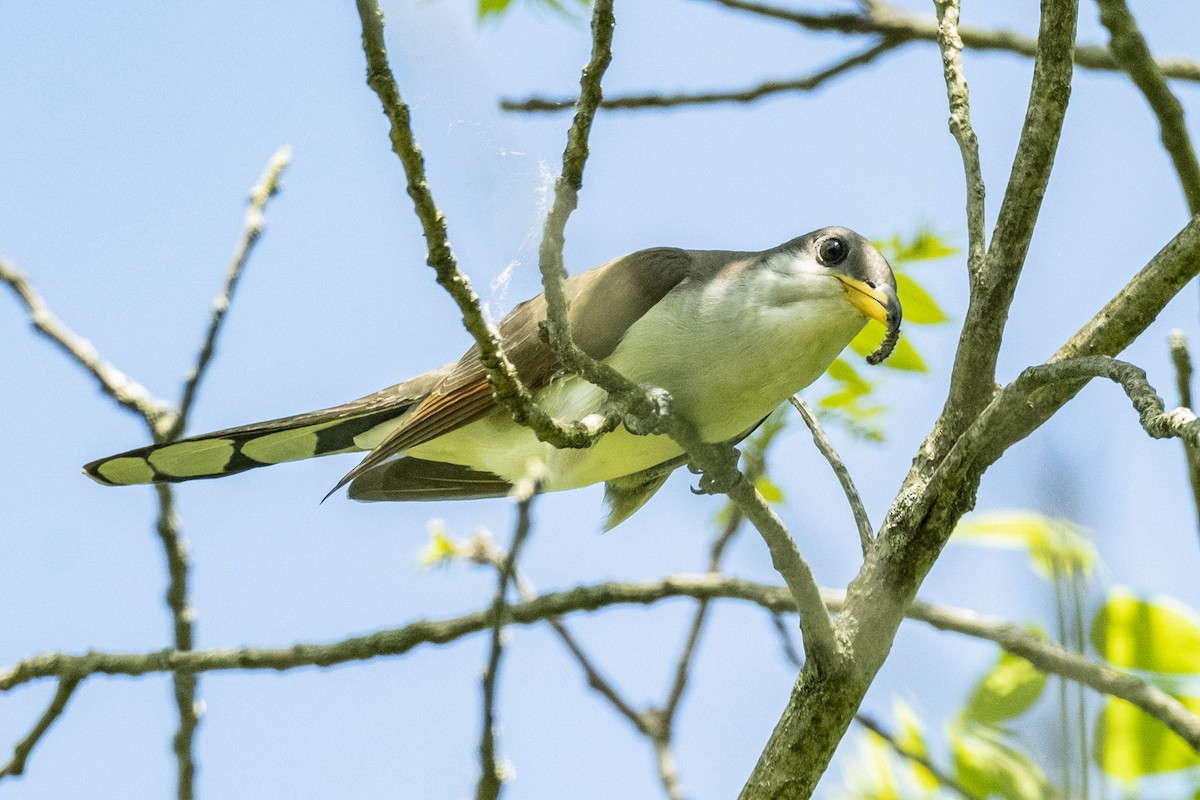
<point x="649" y="413"/>
<point x="722" y="475"/>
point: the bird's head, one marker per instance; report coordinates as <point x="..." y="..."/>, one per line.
<point x="838" y="264"/>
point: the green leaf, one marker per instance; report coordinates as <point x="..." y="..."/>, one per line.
<point x="986" y="766"/>
<point x="1158" y="636"/>
<point x="840" y="370"/>
<point x="926" y="245"/>
<point x="919" y="307"/>
<point x="769" y="491"/>
<point x="1007" y="691"/>
<point x="488" y="8"/>
<point x="1131" y="744"/>
<point x="1055" y="545"/>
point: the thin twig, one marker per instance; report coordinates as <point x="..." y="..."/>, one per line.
<point x="490" y="778"/>
<point x="566" y="197"/>
<point x="58" y="704"/>
<point x="1183" y="384"/>
<point x="1131" y="51"/>
<point x="806" y="83"/>
<point x="944" y="778"/>
<point x="264" y="190"/>
<point x="127" y="392"/>
<point x="890" y="21"/>
<point x="596" y="680"/>
<point x="866" y="535"/>
<point x="175" y="550"/>
<point x="668" y="773"/>
<point x="785" y="640"/>
<point x="951" y="44"/>
<point x="508" y="389"/>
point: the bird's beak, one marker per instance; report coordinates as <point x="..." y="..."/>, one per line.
<point x="877" y="302"/>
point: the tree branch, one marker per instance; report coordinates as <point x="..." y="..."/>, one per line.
<point x="127" y="392"/>
<point x="950" y="43"/>
<point x="1183" y="384"/>
<point x="506" y="385"/>
<point x="886" y="20"/>
<point x="490" y="778"/>
<point x="175" y="550"/>
<point x="806" y="83"/>
<point x="264" y="190"/>
<point x="58" y="704"/>
<point x="1131" y="51"/>
<point x="921" y="519"/>
<point x="865" y="534"/>
<point x="1045" y="655"/>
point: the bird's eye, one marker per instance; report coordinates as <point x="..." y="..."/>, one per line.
<point x="832" y="251"/>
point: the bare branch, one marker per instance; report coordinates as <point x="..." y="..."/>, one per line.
<point x="182" y="617"/>
<point x="1045" y="655"/>
<point x="566" y="197"/>
<point x="58" y="704"/>
<point x="120" y="387"/>
<point x="1183" y="384"/>
<point x="264" y="190"/>
<point x="889" y="21"/>
<point x="508" y="389"/>
<point x="866" y="535"/>
<point x="951" y="44"/>
<point x="806" y="83"/>
<point x="490" y="778"/>
<point x="944" y="778"/>
<point x="1130" y="49"/>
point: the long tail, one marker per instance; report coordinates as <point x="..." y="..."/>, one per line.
<point x="214" y="455"/>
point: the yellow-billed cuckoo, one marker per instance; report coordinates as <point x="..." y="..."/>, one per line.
<point x="730" y="335"/>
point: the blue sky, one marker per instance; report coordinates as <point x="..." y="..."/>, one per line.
<point x="130" y="141"/>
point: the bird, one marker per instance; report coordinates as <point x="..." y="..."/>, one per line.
<point x="730" y="335"/>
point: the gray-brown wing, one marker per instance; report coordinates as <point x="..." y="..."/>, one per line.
<point x="604" y="302"/>
<point x="418" y="479"/>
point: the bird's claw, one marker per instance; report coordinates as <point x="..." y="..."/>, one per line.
<point x="722" y="479"/>
<point x="650" y="412"/>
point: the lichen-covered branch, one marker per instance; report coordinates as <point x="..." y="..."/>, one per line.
<point x="974" y="371"/>
<point x="566" y="198"/>
<point x="1131" y="51"/>
<point x="951" y="44"/>
<point x="921" y="519"/>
